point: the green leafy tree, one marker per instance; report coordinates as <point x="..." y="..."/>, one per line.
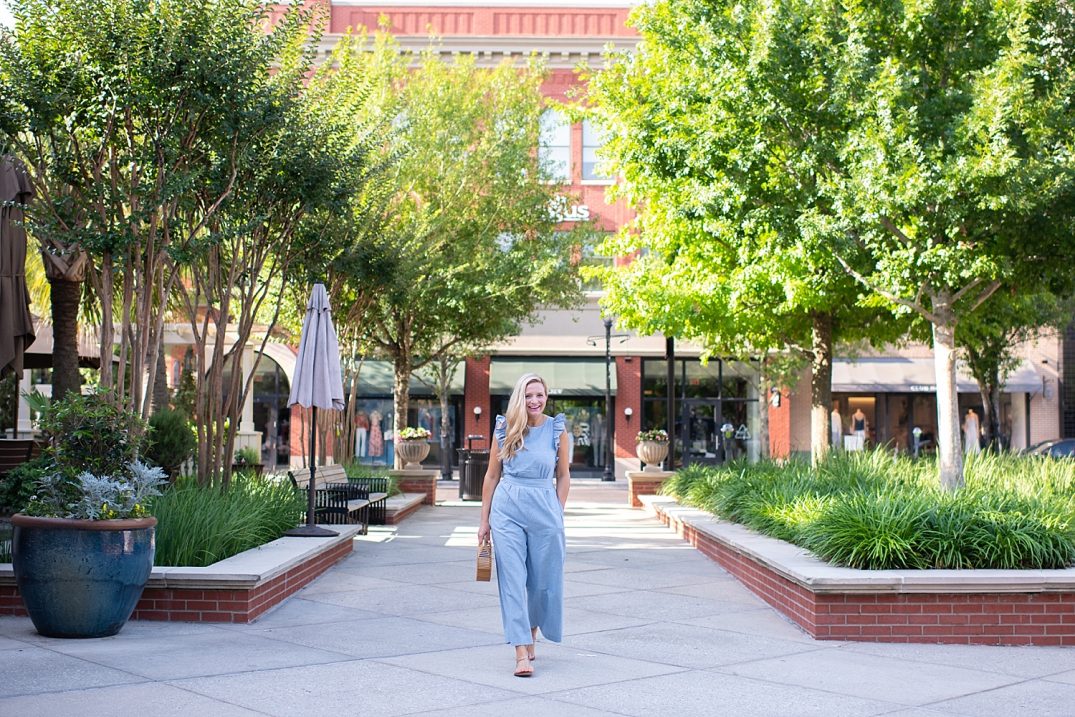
<point x="727" y="167"/>
<point x="989" y="339"/>
<point x="135" y="119"/>
<point x="465" y="243"/>
<point x="928" y="153"/>
<point x="956" y="175"/>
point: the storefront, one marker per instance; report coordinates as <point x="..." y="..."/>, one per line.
<point x="576" y="389"/>
<point x="898" y="394"/>
<point x="716" y="406"/>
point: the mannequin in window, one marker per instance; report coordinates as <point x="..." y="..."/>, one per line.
<point x="376" y="447"/>
<point x="597" y="439"/>
<point x="972" y="432"/>
<point x="837" y="422"/>
<point x="860" y="424"/>
<point x="362" y="428"/>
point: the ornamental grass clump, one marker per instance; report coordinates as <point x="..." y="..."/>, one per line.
<point x="200" y="525"/>
<point x="876" y="511"/>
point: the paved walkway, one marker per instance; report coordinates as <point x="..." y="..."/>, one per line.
<point x="400" y="628"/>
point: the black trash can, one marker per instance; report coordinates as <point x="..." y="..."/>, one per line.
<point x="472" y="467"/>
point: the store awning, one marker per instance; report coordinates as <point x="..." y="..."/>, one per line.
<point x="564" y="376"/>
<point x="375" y="378"/>
<point x="916" y="375"/>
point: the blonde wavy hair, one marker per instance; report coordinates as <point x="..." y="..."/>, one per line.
<point x="516" y="415"/>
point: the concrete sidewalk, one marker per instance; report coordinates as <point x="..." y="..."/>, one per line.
<point x="400" y="627"/>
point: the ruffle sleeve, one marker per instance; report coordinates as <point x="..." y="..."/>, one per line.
<point x="559" y="423"/>
<point x="500" y="430"/>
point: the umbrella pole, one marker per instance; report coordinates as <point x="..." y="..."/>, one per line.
<point x="311" y="529"/>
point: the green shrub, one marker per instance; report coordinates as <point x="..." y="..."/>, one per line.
<point x="355" y="470"/>
<point x="92" y="434"/>
<point x="18" y="484"/>
<point x="247" y="456"/>
<point x="171" y="441"/>
<point x="876" y="511"/>
<point x="200" y="525"/>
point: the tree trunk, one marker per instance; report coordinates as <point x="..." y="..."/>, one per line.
<point x="66" y="296"/>
<point x="990" y="393"/>
<point x="401" y="387"/>
<point x="950" y="460"/>
<point x="160" y="380"/>
<point x="820" y="386"/>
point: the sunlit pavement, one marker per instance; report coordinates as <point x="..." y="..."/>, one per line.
<point x="401" y="627"/>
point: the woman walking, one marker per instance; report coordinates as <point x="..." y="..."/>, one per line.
<point x="524" y="509"/>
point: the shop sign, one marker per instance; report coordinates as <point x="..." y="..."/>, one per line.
<point x="563" y="212"/>
<point x="923" y="388"/>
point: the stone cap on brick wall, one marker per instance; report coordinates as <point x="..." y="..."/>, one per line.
<point x="245" y="570"/>
<point x="802" y="567"/>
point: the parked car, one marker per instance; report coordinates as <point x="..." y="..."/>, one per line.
<point x="1056" y="448"/>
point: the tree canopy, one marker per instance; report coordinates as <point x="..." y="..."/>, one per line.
<point x="464" y="244"/>
<point x="924" y="148"/>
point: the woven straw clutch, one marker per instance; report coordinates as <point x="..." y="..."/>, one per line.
<point x="485" y="561"/>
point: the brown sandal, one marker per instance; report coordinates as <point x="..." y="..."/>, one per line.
<point x="526" y="671"/>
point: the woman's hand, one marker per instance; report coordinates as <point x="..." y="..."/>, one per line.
<point x="483" y="532"/>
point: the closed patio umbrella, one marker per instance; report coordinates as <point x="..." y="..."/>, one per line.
<point x="318" y="383"/>
<point x="16" y="324"/>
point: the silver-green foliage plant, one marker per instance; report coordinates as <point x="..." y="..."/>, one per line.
<point x="98" y="497"/>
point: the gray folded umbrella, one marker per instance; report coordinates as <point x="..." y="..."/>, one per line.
<point x="318" y="383"/>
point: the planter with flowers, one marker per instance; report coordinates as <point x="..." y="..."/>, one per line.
<point x="83" y="546"/>
<point x="652" y="448"/>
<point x="412" y="446"/>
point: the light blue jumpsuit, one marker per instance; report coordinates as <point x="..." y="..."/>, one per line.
<point x="528" y="535"/>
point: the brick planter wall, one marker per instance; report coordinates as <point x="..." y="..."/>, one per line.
<point x="644" y="483"/>
<point x="1003" y="617"/>
<point x="202" y="602"/>
<point x="418" y="481"/>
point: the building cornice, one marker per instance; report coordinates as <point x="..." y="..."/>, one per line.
<point x="558" y="52"/>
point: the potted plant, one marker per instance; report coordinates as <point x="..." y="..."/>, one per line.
<point x="83" y="545"/>
<point x="412" y="445"/>
<point x="248" y="460"/>
<point x="652" y="448"/>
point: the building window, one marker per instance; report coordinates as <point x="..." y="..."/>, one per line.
<point x="593" y="138"/>
<point x="592" y="257"/>
<point x="555" y="153"/>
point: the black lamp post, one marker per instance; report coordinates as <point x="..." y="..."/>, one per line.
<point x="608" y="475"/>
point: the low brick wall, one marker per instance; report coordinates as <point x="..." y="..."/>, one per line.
<point x="644" y="482"/>
<point x="418" y="481"/>
<point x="404" y="509"/>
<point x="188" y="598"/>
<point x="1032" y="608"/>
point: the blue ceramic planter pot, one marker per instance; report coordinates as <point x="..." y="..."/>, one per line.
<point x="81" y="578"/>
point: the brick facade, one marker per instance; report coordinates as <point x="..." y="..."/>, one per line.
<point x="476" y="394"/>
<point x="628" y="395"/>
<point x="780" y="428"/>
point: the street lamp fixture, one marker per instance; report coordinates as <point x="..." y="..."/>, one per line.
<point x="610" y="449"/>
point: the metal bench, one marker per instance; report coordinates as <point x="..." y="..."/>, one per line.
<point x="336" y="501"/>
<point x="377" y="490"/>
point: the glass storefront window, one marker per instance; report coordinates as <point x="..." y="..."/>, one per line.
<point x="587" y="426"/>
<point x="709" y="397"/>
